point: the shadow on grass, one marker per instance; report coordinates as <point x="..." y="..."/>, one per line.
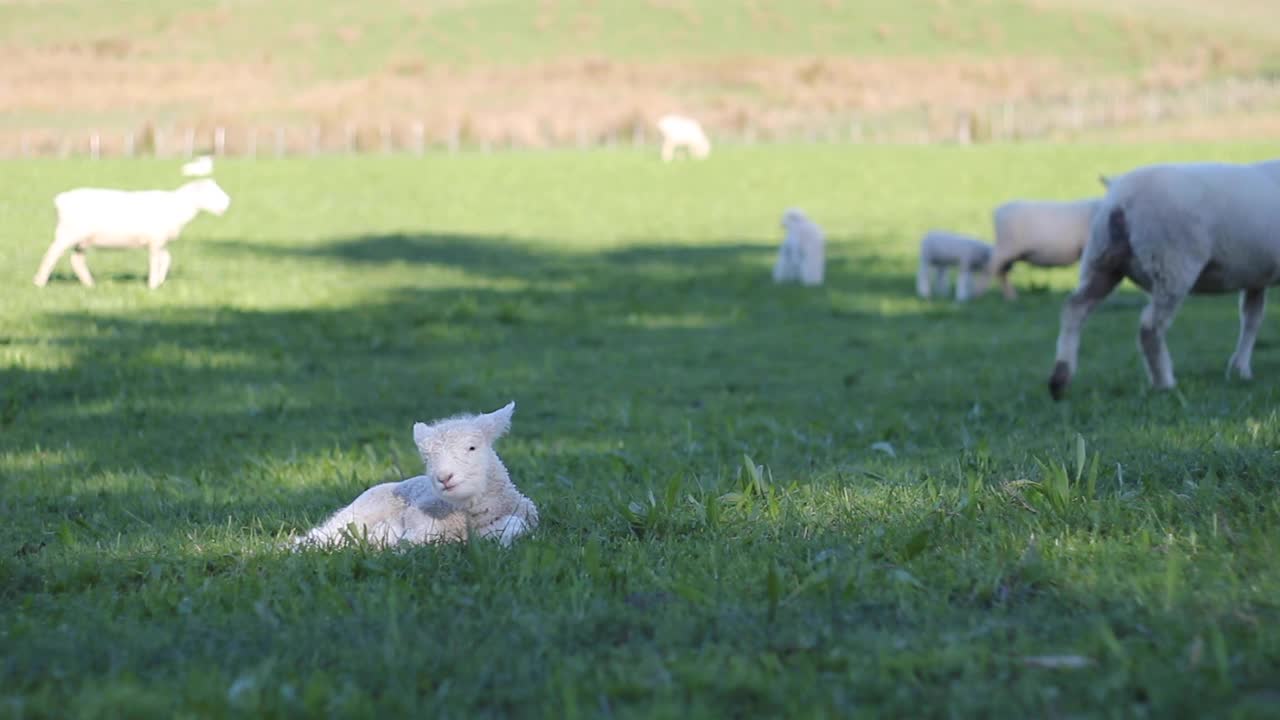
<point x="626" y="365"/>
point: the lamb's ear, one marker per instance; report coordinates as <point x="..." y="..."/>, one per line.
<point x="420" y="432"/>
<point x="497" y="423"/>
<point x="1106" y="181"/>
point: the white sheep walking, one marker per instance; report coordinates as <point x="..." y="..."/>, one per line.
<point x="96" y="217"/>
<point x="1045" y="233"/>
<point x="801" y="257"/>
<point x="1175" y="230"/>
<point x="941" y="250"/>
<point x="466" y="490"/>
<point x="678" y="132"/>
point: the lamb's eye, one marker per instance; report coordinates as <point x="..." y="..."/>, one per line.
<point x="473" y="447"/>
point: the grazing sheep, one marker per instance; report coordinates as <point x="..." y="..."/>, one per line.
<point x="941" y="250"/>
<point x="199" y="167"/>
<point x="1175" y="230"/>
<point x="801" y="257"/>
<point x="94" y="217"/>
<point x="466" y="490"/>
<point x="682" y="132"/>
<point x="1040" y="232"/>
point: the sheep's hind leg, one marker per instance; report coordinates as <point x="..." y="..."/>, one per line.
<point x="964" y="283"/>
<point x="1095" y="286"/>
<point x="50" y="259"/>
<point x="1157" y="316"/>
<point x="80" y="265"/>
<point x="1252" y="303"/>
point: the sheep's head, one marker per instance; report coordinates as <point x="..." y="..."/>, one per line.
<point x="794" y="218"/>
<point x="458" y="452"/>
<point x="208" y="196"/>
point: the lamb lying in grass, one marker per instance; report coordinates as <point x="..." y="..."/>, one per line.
<point x="802" y="256"/>
<point x="466" y="490"/>
<point x="1176" y="230"/>
<point x="941" y="250"/>
<point x="1040" y="232"/>
<point x="94" y="217"/>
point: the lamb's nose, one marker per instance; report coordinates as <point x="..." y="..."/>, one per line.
<point x="445" y="478"/>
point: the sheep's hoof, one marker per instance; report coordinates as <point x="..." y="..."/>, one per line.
<point x="1058" y="381"/>
<point x="1244" y="373"/>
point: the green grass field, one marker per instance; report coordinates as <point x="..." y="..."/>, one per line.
<point x="155" y="446"/>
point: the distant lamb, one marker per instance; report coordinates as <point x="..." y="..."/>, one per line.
<point x="1039" y="232"/>
<point x="466" y="490"/>
<point x="682" y="132"/>
<point x="94" y="217"/>
<point x="802" y="255"/>
<point x="1175" y="230"/>
<point x="199" y="167"/>
<point x="940" y="251"/>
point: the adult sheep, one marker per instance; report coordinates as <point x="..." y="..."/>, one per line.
<point x="1045" y="233"/>
<point x="96" y="217"/>
<point x="678" y="132"/>
<point x="1174" y="230"/>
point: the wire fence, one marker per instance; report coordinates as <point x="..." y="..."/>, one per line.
<point x="1068" y="115"/>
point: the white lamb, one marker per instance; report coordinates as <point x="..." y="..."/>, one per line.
<point x="199" y="167"/>
<point x="1175" y="230"/>
<point x="95" y="217"/>
<point x="802" y="255"/>
<point x="1040" y="232"/>
<point x="941" y="250"/>
<point x="466" y="490"/>
<point x="679" y="131"/>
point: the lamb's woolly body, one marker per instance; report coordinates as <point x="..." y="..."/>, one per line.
<point x="802" y="256"/>
<point x="99" y="217"/>
<point x="1175" y="230"/>
<point x="941" y="250"/>
<point x="422" y="509"/>
<point x="678" y="132"/>
<point x="1039" y="232"/>
<point x="413" y="511"/>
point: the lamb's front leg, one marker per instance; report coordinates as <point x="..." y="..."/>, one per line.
<point x="1252" y="303"/>
<point x="940" y="280"/>
<point x="507" y="529"/>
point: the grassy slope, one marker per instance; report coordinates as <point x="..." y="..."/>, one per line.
<point x="518" y="31"/>
<point x="154" y="445"/>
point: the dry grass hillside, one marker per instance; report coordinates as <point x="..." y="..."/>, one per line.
<point x="551" y="72"/>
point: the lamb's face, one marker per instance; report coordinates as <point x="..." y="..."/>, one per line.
<point x="457" y="461"/>
<point x="459" y="454"/>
